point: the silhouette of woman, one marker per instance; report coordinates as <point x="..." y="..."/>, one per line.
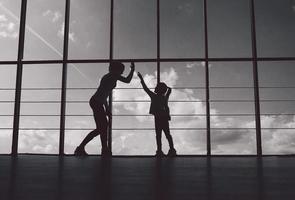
<point x="100" y="108"/>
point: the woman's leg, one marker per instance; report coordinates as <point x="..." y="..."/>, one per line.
<point x="89" y="137"/>
<point x="102" y="123"/>
<point x="101" y="126"/>
<point x="95" y="132"/>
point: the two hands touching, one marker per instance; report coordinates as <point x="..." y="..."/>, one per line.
<point x="132" y="66"/>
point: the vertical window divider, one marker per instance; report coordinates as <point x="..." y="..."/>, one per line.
<point x="208" y="125"/>
<point x="111" y="59"/>
<point x="64" y="78"/>
<point x="19" y="72"/>
<point x="158" y="42"/>
<point x="255" y="79"/>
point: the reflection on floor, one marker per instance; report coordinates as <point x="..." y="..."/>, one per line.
<point x="133" y="178"/>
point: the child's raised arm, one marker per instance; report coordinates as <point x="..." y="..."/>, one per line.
<point x="168" y="92"/>
<point x="146" y="89"/>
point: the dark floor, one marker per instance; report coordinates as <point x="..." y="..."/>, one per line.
<point x="49" y="177"/>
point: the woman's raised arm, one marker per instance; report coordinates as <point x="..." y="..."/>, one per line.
<point x="128" y="78"/>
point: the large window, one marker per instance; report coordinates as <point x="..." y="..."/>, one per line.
<point x="230" y="64"/>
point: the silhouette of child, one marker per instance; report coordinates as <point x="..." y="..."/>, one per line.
<point x="159" y="108"/>
<point x="100" y="108"/>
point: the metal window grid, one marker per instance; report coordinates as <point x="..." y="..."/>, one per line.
<point x="65" y="61"/>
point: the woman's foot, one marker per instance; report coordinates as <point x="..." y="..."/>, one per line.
<point x="106" y="152"/>
<point x="172" y="153"/>
<point x="159" y="154"/>
<point x="80" y="151"/>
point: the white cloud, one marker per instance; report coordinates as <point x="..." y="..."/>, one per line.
<point x="197" y="64"/>
<point x="60" y="33"/>
<point x="38" y="141"/>
<point x="56" y="16"/>
<point x="186" y="8"/>
<point x="3" y="18"/>
<point x="53" y="16"/>
<point x="8" y="29"/>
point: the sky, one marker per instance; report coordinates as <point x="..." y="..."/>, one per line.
<point x="181" y="36"/>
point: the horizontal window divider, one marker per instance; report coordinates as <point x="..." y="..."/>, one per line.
<point x="210" y="59"/>
<point x="139" y="129"/>
<point x="27" y="102"/>
<point x="176" y="88"/>
<point x="4" y="62"/>
<point x="27" y="62"/>
<point x="115" y="129"/>
<point x="278" y="128"/>
<point x="7" y="89"/>
<point x="148" y="101"/>
<point x="173" y="115"/>
<point x="277" y="87"/>
<point x="230" y="87"/>
<point x="277" y="100"/>
<point x="276" y="58"/>
<point x="140" y="88"/>
<point x="275" y="114"/>
<point x="172" y="101"/>
<point x="230" y="101"/>
<point x="262" y="100"/>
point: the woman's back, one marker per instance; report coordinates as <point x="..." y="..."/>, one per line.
<point x="107" y="84"/>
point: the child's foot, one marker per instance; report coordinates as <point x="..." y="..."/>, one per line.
<point x="172" y="153"/>
<point x="159" y="154"/>
<point x="106" y="152"/>
<point x="80" y="151"/>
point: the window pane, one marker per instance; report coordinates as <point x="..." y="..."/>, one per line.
<point x="181" y="31"/>
<point x="40" y="109"/>
<point x="82" y="82"/>
<point x="44" y="30"/>
<point x="275" y="28"/>
<point x="135" y="29"/>
<point x="130" y="100"/>
<point x="89" y="35"/>
<point x="7" y="92"/>
<point x="233" y="142"/>
<point x="278" y="141"/>
<point x="187" y="103"/>
<point x="277" y="96"/>
<point x="143" y="142"/>
<point x="9" y="29"/>
<point x="232" y="108"/>
<point x="229" y="28"/>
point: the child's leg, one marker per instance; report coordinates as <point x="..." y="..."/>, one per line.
<point x="166" y="130"/>
<point x="158" y="128"/>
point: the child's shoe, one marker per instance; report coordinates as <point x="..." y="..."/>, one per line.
<point x="80" y="151"/>
<point x="159" y="154"/>
<point x="172" y="153"/>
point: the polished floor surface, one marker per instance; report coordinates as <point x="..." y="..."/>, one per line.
<point x="139" y="178"/>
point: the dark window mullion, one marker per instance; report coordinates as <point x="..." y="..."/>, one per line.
<point x="255" y="79"/>
<point x="207" y="80"/>
<point x="111" y="58"/>
<point x="19" y="78"/>
<point x="158" y="42"/>
<point x="64" y="79"/>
